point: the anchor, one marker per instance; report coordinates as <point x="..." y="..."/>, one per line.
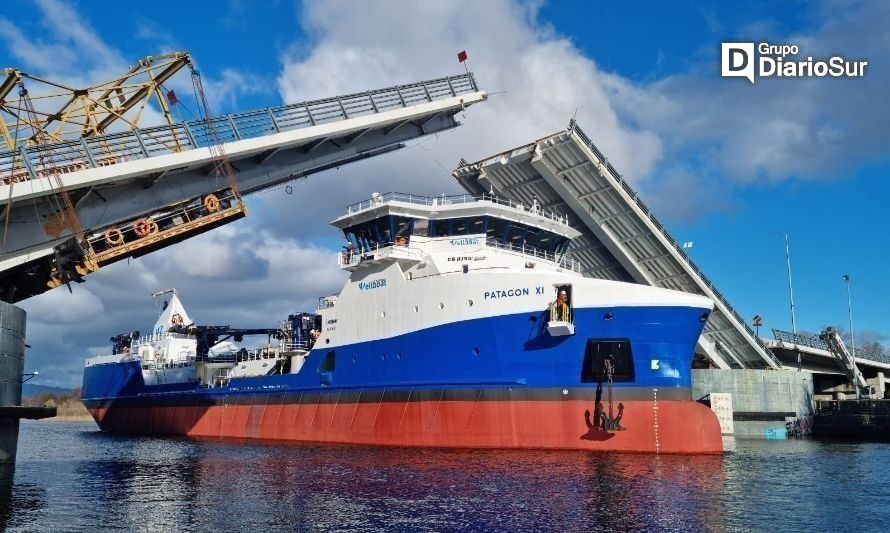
<point x="610" y="421"/>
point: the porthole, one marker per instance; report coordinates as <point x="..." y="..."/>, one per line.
<point x="399" y="356"/>
<point x="382" y="314"/>
<point x="441" y="305"/>
<point x="383" y="357"/>
<point x="353" y="358"/>
<point x="608" y="316"/>
<point x="476" y="351"/>
<point x="416" y="309"/>
<point x="469" y="303"/>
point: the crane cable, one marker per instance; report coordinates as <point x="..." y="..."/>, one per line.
<point x="217" y="150"/>
<point x="15" y="142"/>
<point x="68" y="213"/>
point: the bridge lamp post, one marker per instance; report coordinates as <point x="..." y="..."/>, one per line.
<point x="790" y="285"/>
<point x="847" y="281"/>
<point x="790" y="290"/>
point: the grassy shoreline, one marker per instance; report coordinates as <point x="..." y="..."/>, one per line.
<point x="68" y="405"/>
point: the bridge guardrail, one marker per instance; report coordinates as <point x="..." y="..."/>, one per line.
<point x="813" y="341"/>
<point x="26" y="163"/>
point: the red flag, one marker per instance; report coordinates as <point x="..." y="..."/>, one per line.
<point x="171" y="98"/>
<point x="462" y="56"/>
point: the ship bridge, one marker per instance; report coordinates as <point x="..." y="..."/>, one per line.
<point x="621" y="239"/>
<point x="385" y="226"/>
<point x="70" y="204"/>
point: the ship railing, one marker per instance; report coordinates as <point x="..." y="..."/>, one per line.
<point x="443" y="200"/>
<point x="165" y="365"/>
<point x="326" y="302"/>
<point x="159" y="336"/>
<point x="258" y="354"/>
<point x="399" y="250"/>
<point x="295" y="346"/>
<point x="562" y="261"/>
<point x="23" y="163"/>
<point x="872" y="353"/>
<point x="863" y="406"/>
<point x="228" y="357"/>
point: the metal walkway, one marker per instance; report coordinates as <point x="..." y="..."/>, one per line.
<point x="113" y="179"/>
<point x="622" y="240"/>
<point x="110" y="149"/>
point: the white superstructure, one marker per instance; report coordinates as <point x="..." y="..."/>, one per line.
<point x="415" y="263"/>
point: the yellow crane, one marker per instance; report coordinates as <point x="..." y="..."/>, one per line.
<point x="66" y="113"/>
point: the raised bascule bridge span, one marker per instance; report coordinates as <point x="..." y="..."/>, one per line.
<point x="623" y="240"/>
<point x="83" y="184"/>
<point x="135" y="191"/>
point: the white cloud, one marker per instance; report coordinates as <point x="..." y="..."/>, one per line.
<point x="61" y="308"/>
<point x="718" y="134"/>
<point x="540" y="78"/>
<point x="684" y="140"/>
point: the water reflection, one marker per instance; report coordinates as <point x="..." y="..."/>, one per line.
<point x="103" y="482"/>
<point x="16" y="505"/>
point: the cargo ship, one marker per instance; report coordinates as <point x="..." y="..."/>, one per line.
<point x="464" y="322"/>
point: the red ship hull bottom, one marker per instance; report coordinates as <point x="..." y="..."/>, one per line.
<point x="673" y="426"/>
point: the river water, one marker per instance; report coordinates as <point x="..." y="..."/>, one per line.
<point x="71" y="477"/>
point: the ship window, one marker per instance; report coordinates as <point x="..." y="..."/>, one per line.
<point x="496" y="229"/>
<point x="532" y="237"/>
<point x="421" y="227"/>
<point x="516" y="234"/>
<point x="384" y="230"/>
<point x="593" y="369"/>
<point x="439" y="228"/>
<point x="476" y="226"/>
<point x="328" y="363"/>
<point x="402" y="226"/>
<point x="459" y="226"/>
<point x="545" y="244"/>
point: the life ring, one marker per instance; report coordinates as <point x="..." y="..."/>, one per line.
<point x="114" y="236"/>
<point x="177" y="320"/>
<point x="144" y="227"/>
<point x="211" y="203"/>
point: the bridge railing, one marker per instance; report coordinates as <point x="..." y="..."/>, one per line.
<point x="25" y="163"/>
<point x="813" y="341"/>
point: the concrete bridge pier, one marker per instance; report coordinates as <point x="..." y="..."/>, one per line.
<point x="12" y="363"/>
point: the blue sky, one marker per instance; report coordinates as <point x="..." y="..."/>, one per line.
<point x="724" y="163"/>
